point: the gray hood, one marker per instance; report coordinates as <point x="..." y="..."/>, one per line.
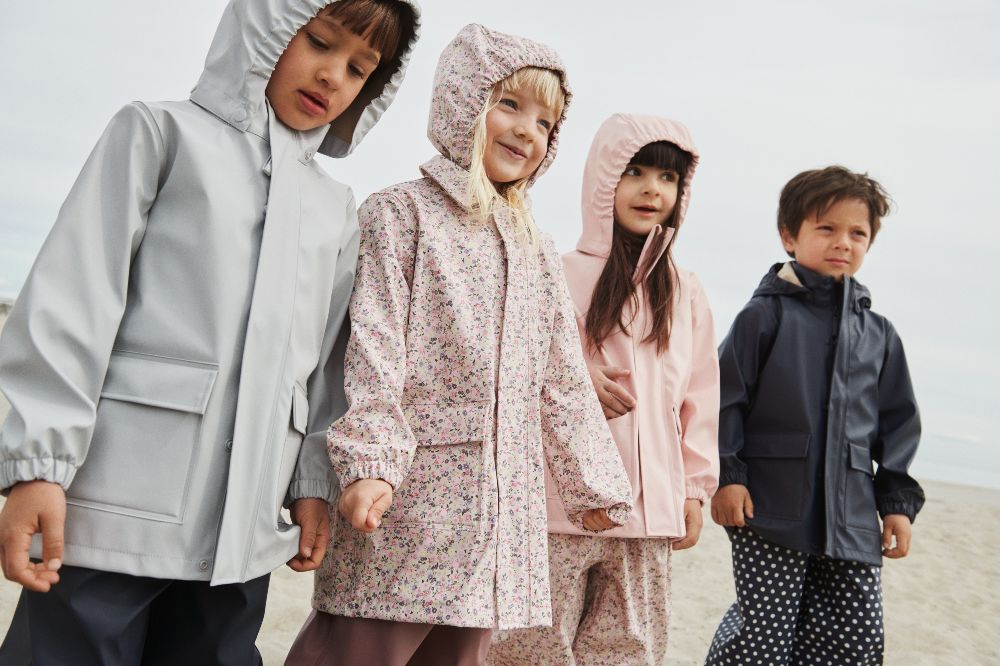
<point x="251" y="36"/>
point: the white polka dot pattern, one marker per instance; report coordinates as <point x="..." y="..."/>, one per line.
<point x="794" y="608"/>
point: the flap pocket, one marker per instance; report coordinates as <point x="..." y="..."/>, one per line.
<point x="861" y="459"/>
<point x="439" y="423"/>
<point x="156" y="381"/>
<point x="776" y="445"/>
<point x="300" y="409"/>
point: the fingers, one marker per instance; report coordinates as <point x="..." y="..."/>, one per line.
<point x="19" y="569"/>
<point x="619" y="393"/>
<point x="612" y="406"/>
<point x="682" y="544"/>
<point x="374" y="517"/>
<point x="52" y="524"/>
<point x="898" y="531"/>
<point x="747" y="506"/>
<point x="597" y="520"/>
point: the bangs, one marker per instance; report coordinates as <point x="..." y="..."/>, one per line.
<point x="663" y="155"/>
<point x="544" y="83"/>
<point x="377" y="21"/>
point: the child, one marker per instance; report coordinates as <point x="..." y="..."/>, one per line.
<point x="463" y="366"/>
<point x="173" y="347"/>
<point x="638" y="311"/>
<point x="815" y="389"/>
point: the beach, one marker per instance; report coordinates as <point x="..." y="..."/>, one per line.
<point x="941" y="602"/>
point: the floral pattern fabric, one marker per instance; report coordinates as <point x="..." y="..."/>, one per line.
<point x="465" y="377"/>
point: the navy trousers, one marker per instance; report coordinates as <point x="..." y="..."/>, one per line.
<point x="113" y="619"/>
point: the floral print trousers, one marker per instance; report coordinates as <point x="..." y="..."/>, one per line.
<point x="795" y="608"/>
<point x="610" y="606"/>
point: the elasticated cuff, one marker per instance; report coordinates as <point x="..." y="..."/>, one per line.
<point x="36" y="469"/>
<point x="697" y="493"/>
<point x="888" y="508"/>
<point x="371" y="470"/>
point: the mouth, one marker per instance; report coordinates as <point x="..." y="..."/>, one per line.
<point x="313" y="103"/>
<point x="514" y="152"/>
<point x="837" y="262"/>
<point x="646" y="210"/>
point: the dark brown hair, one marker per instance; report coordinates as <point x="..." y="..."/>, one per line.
<point x="383" y="23"/>
<point x="814" y="192"/>
<point x="615" y="286"/>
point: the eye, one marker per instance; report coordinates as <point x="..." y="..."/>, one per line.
<point x="357" y="71"/>
<point x="316" y="42"/>
<point x="861" y="233"/>
<point x="632" y="171"/>
<point x="670" y="176"/>
<point x="824" y="227"/>
<point x="546" y="124"/>
<point x="507" y="101"/>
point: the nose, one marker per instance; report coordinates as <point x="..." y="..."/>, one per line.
<point x="331" y="74"/>
<point x="842" y="240"/>
<point x="649" y="186"/>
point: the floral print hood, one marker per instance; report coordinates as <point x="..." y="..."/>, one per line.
<point x="475" y="61"/>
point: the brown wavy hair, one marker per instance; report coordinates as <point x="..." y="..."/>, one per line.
<point x="615" y="286"/>
<point x="814" y="192"/>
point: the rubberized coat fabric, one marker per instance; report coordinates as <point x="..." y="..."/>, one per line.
<point x="815" y="389"/>
<point x="464" y="376"/>
<point x="172" y="360"/>
<point x="668" y="441"/>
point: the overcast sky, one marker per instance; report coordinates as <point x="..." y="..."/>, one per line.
<point x="908" y="91"/>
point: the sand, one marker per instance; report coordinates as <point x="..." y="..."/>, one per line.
<point x="942" y="603"/>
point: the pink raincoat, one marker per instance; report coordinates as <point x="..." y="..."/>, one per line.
<point x="465" y="376"/>
<point x="669" y="442"/>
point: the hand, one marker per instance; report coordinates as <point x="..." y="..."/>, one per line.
<point x="615" y="400"/>
<point x="32" y="507"/>
<point x="731" y="505"/>
<point x="597" y="520"/>
<point x="313" y="518"/>
<point x="692" y="523"/>
<point x="363" y="503"/>
<point x="896" y="525"/>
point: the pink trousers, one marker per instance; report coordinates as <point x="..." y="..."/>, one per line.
<point x="610" y="606"/>
<point x="335" y="640"/>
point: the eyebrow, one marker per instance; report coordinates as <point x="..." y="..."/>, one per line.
<point x="370" y="55"/>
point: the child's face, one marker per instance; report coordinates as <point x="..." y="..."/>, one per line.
<point x="645" y="197"/>
<point x="319" y="74"/>
<point x="517" y="136"/>
<point x="834" y="243"/>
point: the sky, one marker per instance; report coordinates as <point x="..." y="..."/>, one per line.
<point x="907" y="90"/>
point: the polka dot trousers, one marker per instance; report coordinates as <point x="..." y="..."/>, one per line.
<point x="794" y="608"/>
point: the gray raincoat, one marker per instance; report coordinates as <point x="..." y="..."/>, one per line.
<point x="173" y="360"/>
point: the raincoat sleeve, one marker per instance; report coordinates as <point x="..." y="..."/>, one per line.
<point x="313" y="475"/>
<point x="700" y="408"/>
<point x="373" y="440"/>
<point x="742" y="355"/>
<point x="581" y="455"/>
<point x="56" y="345"/>
<point x="898" y="435"/>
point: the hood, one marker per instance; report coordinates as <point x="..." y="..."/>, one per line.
<point x="476" y="60"/>
<point x="251" y="37"/>
<point x="793" y="279"/>
<point x="617" y="140"/>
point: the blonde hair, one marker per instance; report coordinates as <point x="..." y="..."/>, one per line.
<point x="483" y="193"/>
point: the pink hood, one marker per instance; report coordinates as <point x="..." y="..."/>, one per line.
<point x="617" y="140"/>
<point x="476" y="60"/>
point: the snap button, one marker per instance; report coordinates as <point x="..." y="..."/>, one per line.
<point x="203" y="565"/>
<point x="229" y="445"/>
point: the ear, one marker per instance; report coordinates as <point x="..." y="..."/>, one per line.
<point x="788" y="242"/>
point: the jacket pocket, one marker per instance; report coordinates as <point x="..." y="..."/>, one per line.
<point x="445" y="482"/>
<point x="776" y="472"/>
<point x="860" y="511"/>
<point x="148" y="424"/>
